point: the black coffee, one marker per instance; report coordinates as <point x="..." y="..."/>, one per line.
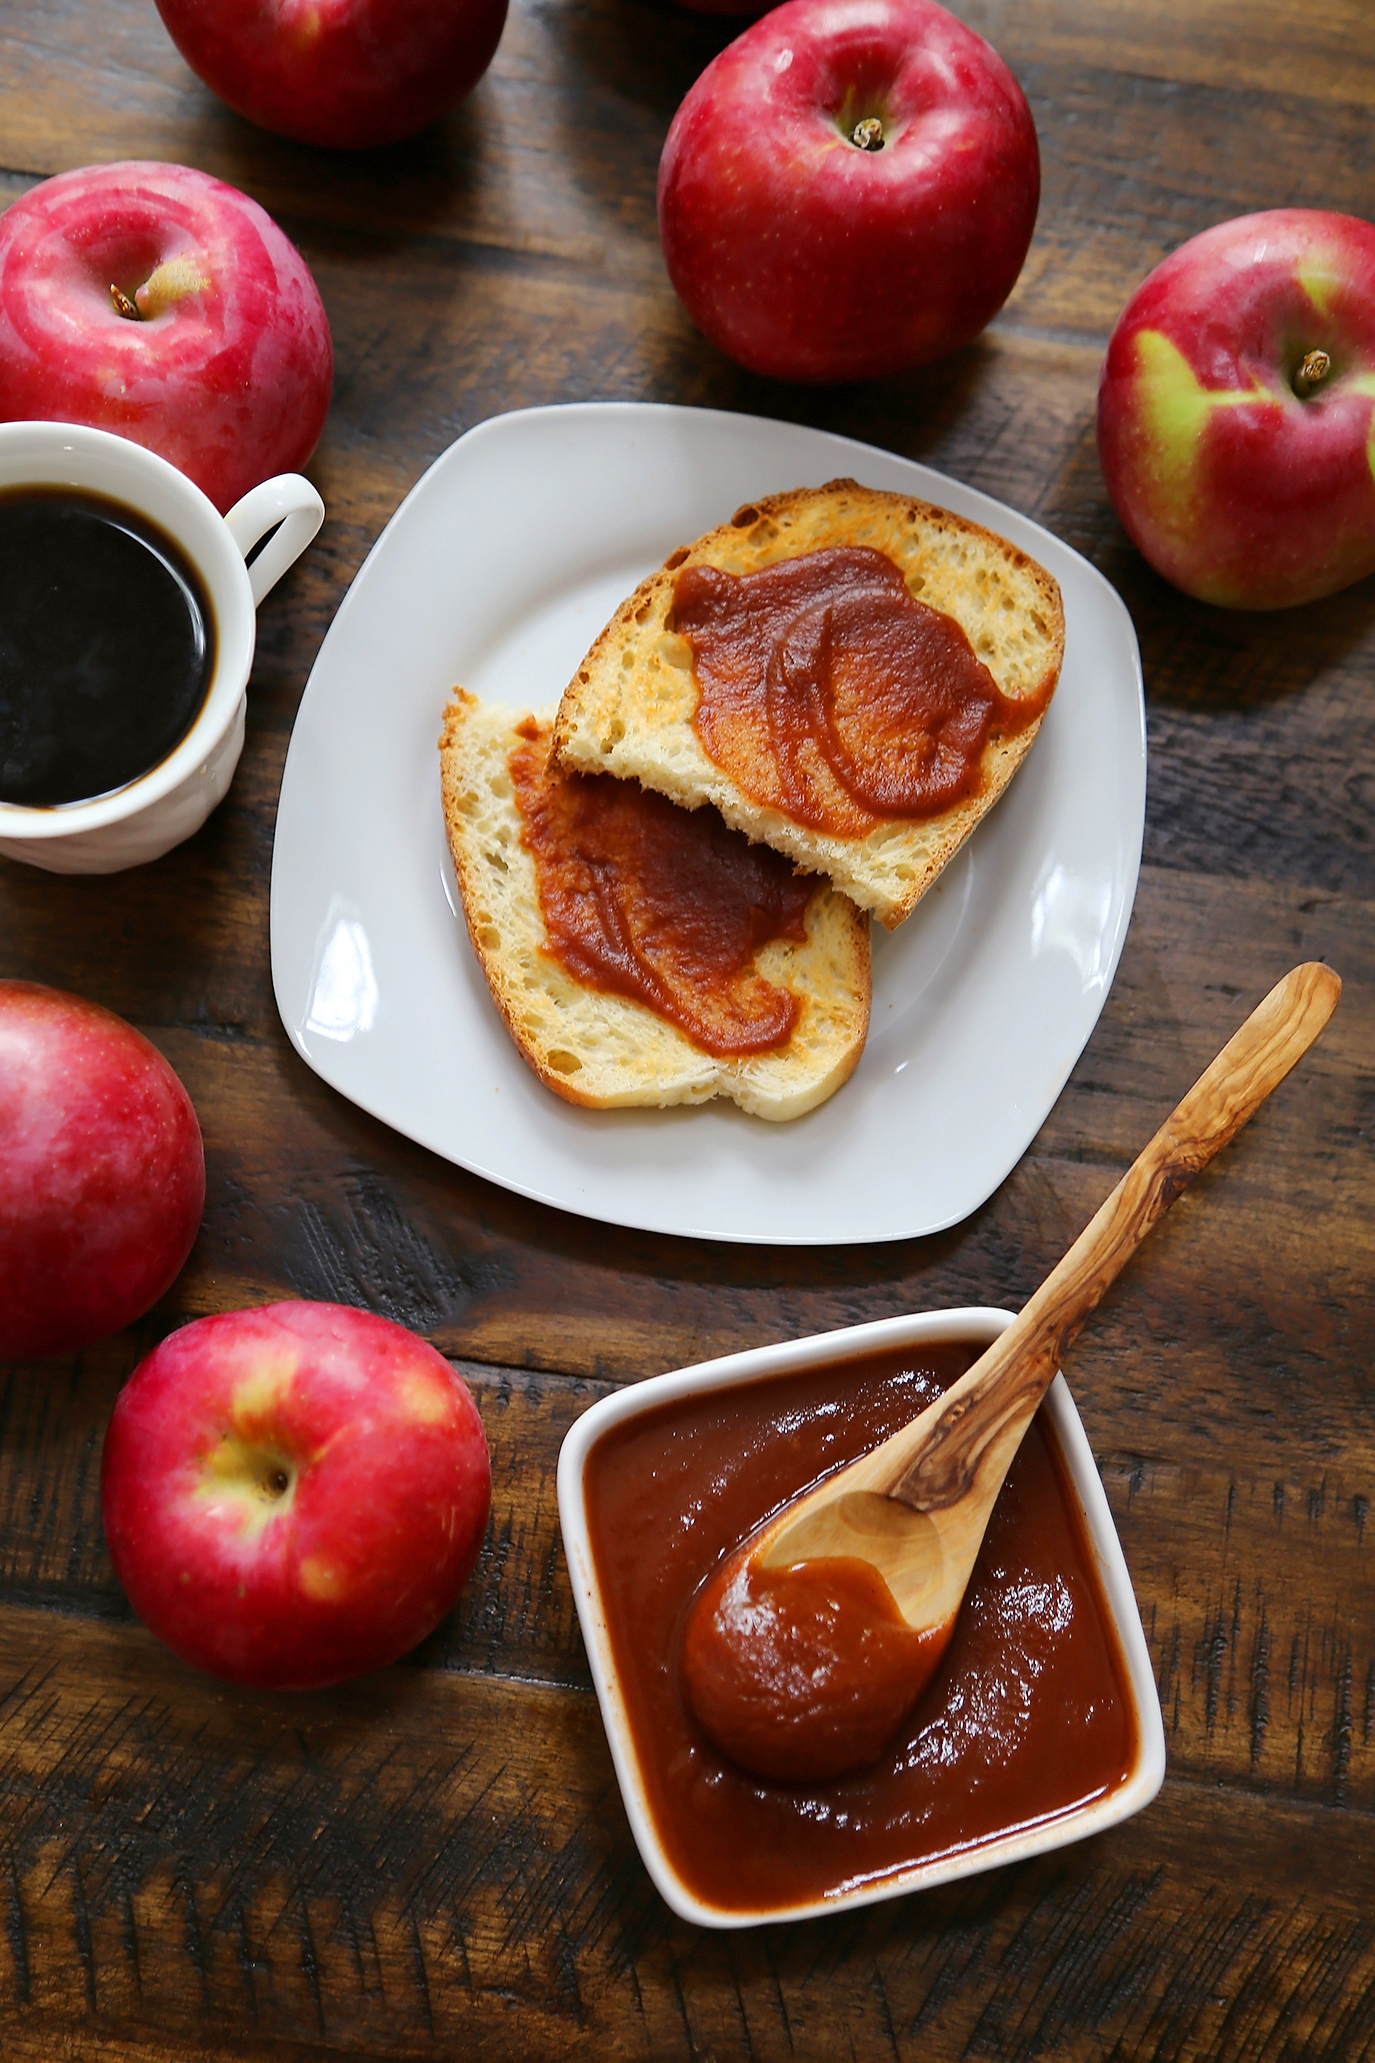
<point x="107" y="645"/>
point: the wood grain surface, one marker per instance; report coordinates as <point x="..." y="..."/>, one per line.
<point x="435" y="1861"/>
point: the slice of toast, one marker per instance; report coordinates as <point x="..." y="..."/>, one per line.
<point x="604" y="1050"/>
<point x="630" y="708"/>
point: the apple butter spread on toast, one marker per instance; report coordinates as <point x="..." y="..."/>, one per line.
<point x="639" y="953"/>
<point x="849" y="676"/>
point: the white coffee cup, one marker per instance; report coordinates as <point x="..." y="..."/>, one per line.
<point x="152" y="814"/>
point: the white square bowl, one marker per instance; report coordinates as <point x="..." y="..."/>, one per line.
<point x="976" y="1325"/>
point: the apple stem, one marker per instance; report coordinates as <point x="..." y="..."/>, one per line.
<point x="124" y="306"/>
<point x="1313" y="370"/>
<point x="868" y="134"/>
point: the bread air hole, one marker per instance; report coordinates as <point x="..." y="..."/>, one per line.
<point x="564" y="1062"/>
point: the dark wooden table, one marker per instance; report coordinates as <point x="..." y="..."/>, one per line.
<point x="435" y="1861"/>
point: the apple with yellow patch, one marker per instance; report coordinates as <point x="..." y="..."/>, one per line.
<point x="1236" y="412"/>
<point x="295" y="1494"/>
<point x="160" y="304"/>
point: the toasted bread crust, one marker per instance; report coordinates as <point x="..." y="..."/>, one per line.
<point x="606" y="1051"/>
<point x="629" y="708"/>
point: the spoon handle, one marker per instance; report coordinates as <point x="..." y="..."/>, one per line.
<point x="986" y="1411"/>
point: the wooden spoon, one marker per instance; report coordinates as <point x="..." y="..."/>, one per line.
<point x="916" y="1508"/>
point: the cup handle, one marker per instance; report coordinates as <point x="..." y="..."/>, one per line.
<point x="288" y="502"/>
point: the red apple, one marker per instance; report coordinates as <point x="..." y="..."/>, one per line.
<point x="157" y="302"/>
<point x="849" y="189"/>
<point x="102" y="1177"/>
<point x="1236" y="413"/>
<point x="295" y="1494"/>
<point x="346" y="73"/>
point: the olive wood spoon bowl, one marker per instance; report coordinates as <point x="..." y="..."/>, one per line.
<point x="916" y="1507"/>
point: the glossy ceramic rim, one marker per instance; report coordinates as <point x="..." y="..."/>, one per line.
<point x="73" y="455"/>
<point x="981" y="1325"/>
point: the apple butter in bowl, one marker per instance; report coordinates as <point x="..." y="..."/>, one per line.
<point x="1041" y="1724"/>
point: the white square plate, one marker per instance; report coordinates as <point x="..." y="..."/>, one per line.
<point x="758" y="1364"/>
<point x="497" y="571"/>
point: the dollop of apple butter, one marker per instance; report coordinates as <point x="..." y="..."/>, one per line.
<point x="828" y="691"/>
<point x="661" y="904"/>
<point x="801" y="1674"/>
